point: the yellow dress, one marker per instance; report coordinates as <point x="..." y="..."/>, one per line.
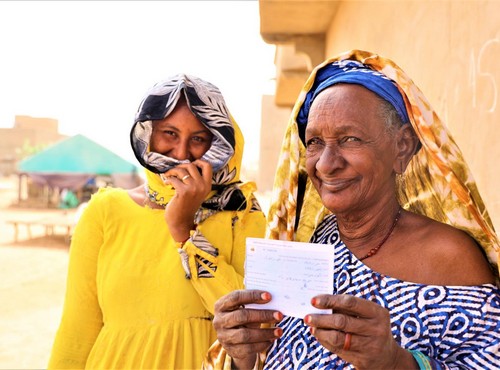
<point x="128" y="304"/>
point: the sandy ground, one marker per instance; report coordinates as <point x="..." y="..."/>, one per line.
<point x="32" y="283"/>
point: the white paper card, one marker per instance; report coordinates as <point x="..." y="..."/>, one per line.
<point x="293" y="272"/>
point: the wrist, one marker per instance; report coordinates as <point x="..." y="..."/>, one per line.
<point x="403" y="359"/>
<point x="180" y="244"/>
<point x="182" y="236"/>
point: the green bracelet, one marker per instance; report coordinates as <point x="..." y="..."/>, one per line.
<point x="423" y="361"/>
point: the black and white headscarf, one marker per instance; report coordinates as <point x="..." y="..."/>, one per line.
<point x="207" y="104"/>
<point x="225" y="154"/>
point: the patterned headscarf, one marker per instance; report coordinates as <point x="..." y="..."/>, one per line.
<point x="438" y="182"/>
<point x="225" y="153"/>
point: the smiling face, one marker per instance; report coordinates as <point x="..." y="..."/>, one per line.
<point x="350" y="157"/>
<point x="180" y="135"/>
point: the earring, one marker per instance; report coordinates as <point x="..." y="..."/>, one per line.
<point x="400" y="177"/>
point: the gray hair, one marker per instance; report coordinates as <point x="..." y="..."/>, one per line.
<point x="393" y="122"/>
<point x="390" y="116"/>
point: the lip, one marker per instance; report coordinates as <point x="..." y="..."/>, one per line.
<point x="336" y="185"/>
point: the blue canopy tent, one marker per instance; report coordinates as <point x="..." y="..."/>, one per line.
<point x="73" y="162"/>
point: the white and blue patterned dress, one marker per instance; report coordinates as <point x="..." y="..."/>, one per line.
<point x="458" y="327"/>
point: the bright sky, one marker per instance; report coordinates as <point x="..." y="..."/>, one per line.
<point x="89" y="63"/>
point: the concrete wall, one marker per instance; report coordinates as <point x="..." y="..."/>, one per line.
<point x="451" y="50"/>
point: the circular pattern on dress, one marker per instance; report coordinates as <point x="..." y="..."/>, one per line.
<point x="431" y="295"/>
<point x="327" y="232"/>
<point x="494" y="301"/>
<point x="410" y="329"/>
<point x="343" y="281"/>
<point x="299" y="351"/>
<point x="458" y="325"/>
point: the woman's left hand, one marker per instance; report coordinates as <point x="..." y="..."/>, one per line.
<point x="192" y="183"/>
<point x="359" y="331"/>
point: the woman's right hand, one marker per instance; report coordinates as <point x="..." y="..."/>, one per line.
<point x="192" y="183"/>
<point x="239" y="329"/>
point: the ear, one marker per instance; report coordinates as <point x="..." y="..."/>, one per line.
<point x="406" y="147"/>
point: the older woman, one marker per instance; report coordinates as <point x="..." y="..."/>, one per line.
<point x="147" y="264"/>
<point x="412" y="284"/>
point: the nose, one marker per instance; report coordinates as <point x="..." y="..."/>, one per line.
<point x="180" y="151"/>
<point x="329" y="160"/>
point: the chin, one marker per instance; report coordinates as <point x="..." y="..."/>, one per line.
<point x="334" y="203"/>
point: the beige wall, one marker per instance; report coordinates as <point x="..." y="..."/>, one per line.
<point x="274" y="121"/>
<point x="451" y="50"/>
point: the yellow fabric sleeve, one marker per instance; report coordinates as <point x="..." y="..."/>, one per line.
<point x="227" y="232"/>
<point x="81" y="319"/>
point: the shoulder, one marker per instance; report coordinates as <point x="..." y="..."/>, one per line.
<point x="447" y="255"/>
<point x="106" y="197"/>
<point x="251" y="200"/>
<point x="109" y="193"/>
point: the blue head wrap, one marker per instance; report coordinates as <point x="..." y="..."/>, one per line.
<point x="353" y="72"/>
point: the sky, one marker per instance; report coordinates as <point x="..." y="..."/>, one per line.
<point x="88" y="64"/>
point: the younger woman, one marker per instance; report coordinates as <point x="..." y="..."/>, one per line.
<point x="147" y="264"/>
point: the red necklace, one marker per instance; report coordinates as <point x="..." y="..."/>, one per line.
<point x="374" y="250"/>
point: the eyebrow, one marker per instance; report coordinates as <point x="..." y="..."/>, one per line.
<point x="339" y="129"/>
<point x="174" y="128"/>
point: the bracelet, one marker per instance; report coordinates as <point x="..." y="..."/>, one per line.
<point x="181" y="244"/>
<point x="422" y="360"/>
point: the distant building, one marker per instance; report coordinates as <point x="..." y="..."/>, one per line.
<point x="27" y="133"/>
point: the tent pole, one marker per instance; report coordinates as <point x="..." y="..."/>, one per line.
<point x="19" y="187"/>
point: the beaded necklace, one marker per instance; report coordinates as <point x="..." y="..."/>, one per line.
<point x="374" y="250"/>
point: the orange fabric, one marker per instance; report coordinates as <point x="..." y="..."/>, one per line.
<point x="438" y="182"/>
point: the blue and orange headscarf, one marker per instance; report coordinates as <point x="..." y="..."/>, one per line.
<point x="438" y="182"/>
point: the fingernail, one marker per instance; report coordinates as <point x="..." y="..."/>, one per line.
<point x="278" y="316"/>
<point x="311" y="330"/>
<point x="266" y="296"/>
<point x="314" y="301"/>
<point x="308" y="319"/>
<point x="278" y="332"/>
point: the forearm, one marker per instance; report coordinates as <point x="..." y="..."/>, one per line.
<point x="215" y="253"/>
<point x="211" y="276"/>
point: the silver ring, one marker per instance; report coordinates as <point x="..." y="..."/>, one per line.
<point x="185" y="177"/>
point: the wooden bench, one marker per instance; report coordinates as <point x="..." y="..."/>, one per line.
<point x="50" y="223"/>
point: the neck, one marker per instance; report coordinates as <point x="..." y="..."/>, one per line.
<point x="152" y="205"/>
<point x="364" y="230"/>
